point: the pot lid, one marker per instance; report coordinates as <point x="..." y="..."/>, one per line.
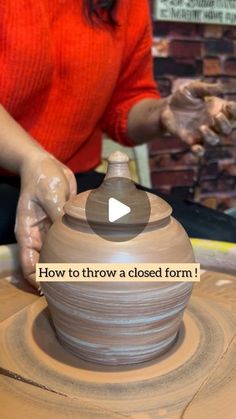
<point x="93" y="205"/>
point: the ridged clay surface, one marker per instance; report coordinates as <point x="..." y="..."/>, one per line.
<point x="117" y="323"/>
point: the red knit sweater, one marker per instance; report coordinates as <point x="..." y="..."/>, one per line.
<point x="65" y="81"/>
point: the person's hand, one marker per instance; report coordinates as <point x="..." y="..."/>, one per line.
<point x="194" y="114"/>
<point x="46" y="184"/>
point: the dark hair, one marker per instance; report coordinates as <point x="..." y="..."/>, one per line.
<point x="101" y="11"/>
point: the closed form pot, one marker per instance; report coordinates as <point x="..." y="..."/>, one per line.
<point x="116" y="323"/>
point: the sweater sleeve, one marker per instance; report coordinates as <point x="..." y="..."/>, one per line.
<point x="136" y="81"/>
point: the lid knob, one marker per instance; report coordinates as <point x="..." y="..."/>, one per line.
<point x="118" y="165"/>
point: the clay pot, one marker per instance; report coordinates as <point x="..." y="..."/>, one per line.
<point x="116" y="323"/>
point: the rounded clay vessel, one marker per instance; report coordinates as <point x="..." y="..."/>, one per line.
<point x="115" y="323"/>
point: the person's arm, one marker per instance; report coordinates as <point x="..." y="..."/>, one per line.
<point x="45" y="186"/>
<point x="135" y="83"/>
<point x="15" y="144"/>
<point x="192" y="113"/>
<point x="144" y="122"/>
<point x="136" y="114"/>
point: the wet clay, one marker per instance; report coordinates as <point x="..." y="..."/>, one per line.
<point x="15" y="294"/>
<point x="117" y="323"/>
<point x="51" y="382"/>
<point x="45" y="186"/>
<point x="218" y="287"/>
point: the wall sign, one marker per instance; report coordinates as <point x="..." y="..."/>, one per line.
<point x="196" y="11"/>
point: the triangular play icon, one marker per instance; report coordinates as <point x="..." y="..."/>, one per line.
<point x="117" y="210"/>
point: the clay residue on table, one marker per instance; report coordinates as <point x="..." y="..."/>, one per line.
<point x="214" y="400"/>
<point x="218" y="287"/>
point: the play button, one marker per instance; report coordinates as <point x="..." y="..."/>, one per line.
<point x="117" y="210"/>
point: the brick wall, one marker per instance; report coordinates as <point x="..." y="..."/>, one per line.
<point x="183" y="52"/>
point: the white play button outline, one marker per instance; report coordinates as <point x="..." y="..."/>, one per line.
<point x="117" y="210"/>
<point x="119" y="204"/>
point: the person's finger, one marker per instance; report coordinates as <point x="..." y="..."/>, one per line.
<point x="72" y="181"/>
<point x="200" y="90"/>
<point x="29" y="257"/>
<point x="30" y="227"/>
<point x="231" y="109"/>
<point x="186" y="136"/>
<point x="209" y="135"/>
<point x="54" y="201"/>
<point x="28" y="249"/>
<point x="198" y="150"/>
<point x="222" y="124"/>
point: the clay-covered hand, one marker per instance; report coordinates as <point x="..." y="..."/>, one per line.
<point x="45" y="186"/>
<point x="196" y="115"/>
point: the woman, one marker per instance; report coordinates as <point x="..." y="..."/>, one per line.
<point x="71" y="69"/>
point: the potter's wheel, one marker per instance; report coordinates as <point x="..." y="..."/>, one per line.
<point x="50" y="382"/>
